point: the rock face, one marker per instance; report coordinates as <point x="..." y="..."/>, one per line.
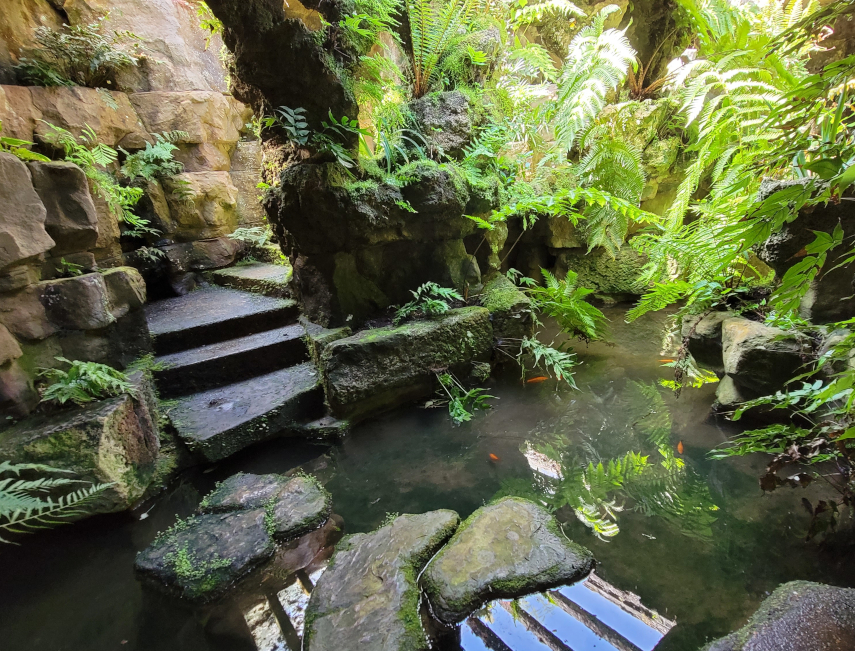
<point x="206" y="117"/>
<point x="72" y="221"/>
<point x="79" y="303"/>
<point x="237" y="529"/>
<point x="110" y="441"/>
<point x="378" y="369"/>
<point x="204" y="207"/>
<point x="759" y="358"/>
<point x="445" y="121"/>
<point x="368" y="598"/>
<point x="798" y="615"/>
<point x="510" y="309"/>
<point x="705" y="340"/>
<point x="504" y="550"/>
<point x="602" y="273"/>
<point x="22" y="217"/>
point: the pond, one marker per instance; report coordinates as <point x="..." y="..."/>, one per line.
<point x="622" y="461"/>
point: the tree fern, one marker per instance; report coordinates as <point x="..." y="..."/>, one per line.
<point x="595" y="65"/>
<point x="27" y="504"/>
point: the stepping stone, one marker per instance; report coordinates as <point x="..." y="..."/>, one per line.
<point x="797" y="616"/>
<point x="259" y="277"/>
<point x="205" y="367"/>
<point x="237" y="530"/>
<point x="368" y="598"/>
<point x="213" y="314"/>
<point x="507" y="549"/>
<point x="217" y="423"/>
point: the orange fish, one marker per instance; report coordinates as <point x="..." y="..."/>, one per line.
<point x="539" y="378"/>
<point x="680" y="447"/>
<point x="493" y="457"/>
<point x="666" y="360"/>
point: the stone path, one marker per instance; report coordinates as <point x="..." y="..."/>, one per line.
<point x="235" y="364"/>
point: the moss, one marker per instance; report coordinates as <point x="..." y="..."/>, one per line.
<point x="501" y="295"/>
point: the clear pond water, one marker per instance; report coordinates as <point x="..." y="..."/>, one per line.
<point x="696" y="539"/>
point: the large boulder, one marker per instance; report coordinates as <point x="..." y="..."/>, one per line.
<point x="703" y="332"/>
<point x="72" y="221"/>
<point x="620" y="276"/>
<point x="510" y="309"/>
<point x="78" y="303"/>
<point x="506" y="549"/>
<point x="202" y="205"/>
<point x="202" y="255"/>
<point x="176" y="56"/>
<point x="126" y="290"/>
<point x="797" y="616"/>
<point x="238" y="528"/>
<point x="445" y="121"/>
<point x="759" y="358"/>
<point x="109" y="441"/>
<point x="381" y="368"/>
<point x="368" y="598"/>
<point x="23" y="238"/>
<point x="108" y="113"/>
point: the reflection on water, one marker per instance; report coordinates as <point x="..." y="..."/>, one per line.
<point x="695" y="539"/>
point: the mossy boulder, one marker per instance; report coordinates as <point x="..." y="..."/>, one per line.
<point x="798" y="615"/>
<point x="506" y="549"/>
<point x="368" y="598"/>
<point x="239" y="527"/>
<point x="598" y="270"/>
<point x="378" y="369"/>
<point x="445" y="120"/>
<point x="510" y="309"/>
<point x="111" y="441"/>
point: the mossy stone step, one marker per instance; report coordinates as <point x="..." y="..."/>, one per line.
<point x="225" y="362"/>
<point x="217" y="423"/>
<point x="213" y="314"/>
<point x="258" y="277"/>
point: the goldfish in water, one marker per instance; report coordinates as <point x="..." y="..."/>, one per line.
<point x="539" y="378"/>
<point x="680" y="447"/>
<point x="493" y="457"/>
<point x="666" y="360"/>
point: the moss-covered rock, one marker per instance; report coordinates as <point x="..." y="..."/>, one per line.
<point x="601" y="272"/>
<point x="798" y="615"/>
<point x="378" y="369"/>
<point x="368" y="598"/>
<point x="510" y="309"/>
<point x="506" y="549"/>
<point x="445" y="120"/>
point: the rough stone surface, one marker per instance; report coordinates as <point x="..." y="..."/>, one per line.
<point x="202" y="255"/>
<point x="602" y="273"/>
<point x="126" y="290"/>
<point x="75" y="108"/>
<point x="294" y="506"/>
<point x="382" y="368"/>
<point x="210" y="211"/>
<point x="20" y="19"/>
<point x="237" y="529"/>
<point x="204" y="157"/>
<point x="704" y="334"/>
<point x="507" y="549"/>
<point x="17" y="111"/>
<point x="510" y="309"/>
<point x="22" y="215"/>
<point x="72" y="221"/>
<point x="444" y="120"/>
<point x="207" y="117"/>
<point x="79" y="303"/>
<point x="797" y="616"/>
<point x="109" y="441"/>
<point x="17" y="395"/>
<point x="368" y="598"/>
<point x="259" y="277"/>
<point x="759" y="358"/>
<point x="24" y="314"/>
<point x="9" y="348"/>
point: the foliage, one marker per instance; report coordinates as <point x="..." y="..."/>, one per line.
<point x="84" y="382"/>
<point x="552" y="361"/>
<point x="27" y="505"/>
<point x="19" y="148"/>
<point x="565" y="301"/>
<point x="208" y="22"/>
<point x="155" y="161"/>
<point x="254" y="235"/>
<point x="81" y="55"/>
<point x="292" y="121"/>
<point x="462" y="402"/>
<point x="430" y="300"/>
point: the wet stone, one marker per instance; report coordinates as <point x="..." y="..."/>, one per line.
<point x="238" y="528"/>
<point x="368" y="598"/>
<point x="507" y="549"/>
<point x="798" y="615"/>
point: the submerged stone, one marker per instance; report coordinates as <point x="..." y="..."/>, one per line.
<point x="238" y="528"/>
<point x="379" y="369"/>
<point x="797" y="616"/>
<point x="507" y="549"/>
<point x="368" y="598"/>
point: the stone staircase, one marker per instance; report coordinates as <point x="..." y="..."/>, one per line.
<point x="234" y="363"/>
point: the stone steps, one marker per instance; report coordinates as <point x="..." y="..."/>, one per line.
<point x="212" y="365"/>
<point x="213" y="314"/>
<point x="258" y="277"/>
<point x="215" y="424"/>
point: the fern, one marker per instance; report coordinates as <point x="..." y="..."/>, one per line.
<point x="595" y="65"/>
<point x="155" y="161"/>
<point x="26" y="504"/>
<point x="462" y="402"/>
<point x="552" y="361"/>
<point x="19" y="148"/>
<point x="430" y="299"/>
<point x="565" y="301"/>
<point x="84" y="382"/>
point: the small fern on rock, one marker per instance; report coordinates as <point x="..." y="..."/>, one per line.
<point x="84" y="382"/>
<point x="430" y="299"/>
